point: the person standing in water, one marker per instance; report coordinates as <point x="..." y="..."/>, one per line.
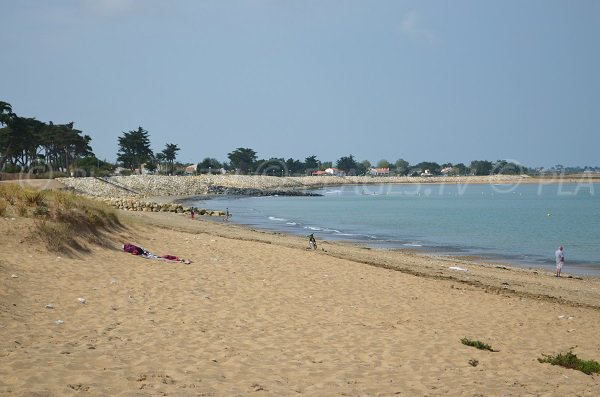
<point x="560" y="260"/>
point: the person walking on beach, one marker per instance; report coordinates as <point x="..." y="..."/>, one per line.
<point x="560" y="260"/>
<point x="227" y="214"/>
<point x="312" y="243"/>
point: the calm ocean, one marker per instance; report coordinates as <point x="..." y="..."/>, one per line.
<point x="519" y="224"/>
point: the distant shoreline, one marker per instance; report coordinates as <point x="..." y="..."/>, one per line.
<point x="177" y="187"/>
<point x="203" y="185"/>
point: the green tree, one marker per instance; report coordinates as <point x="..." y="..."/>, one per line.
<point x="209" y="165"/>
<point x="5" y="113"/>
<point x="242" y="159"/>
<point x="294" y="167"/>
<point x="508" y="168"/>
<point x="20" y="139"/>
<point x="347" y="164"/>
<point x="64" y="145"/>
<point x="433" y="167"/>
<point x="151" y="166"/>
<point x="26" y="142"/>
<point x="311" y="164"/>
<point x="383" y="163"/>
<point x="92" y="166"/>
<point x="481" y="167"/>
<point x="170" y="154"/>
<point x="402" y="166"/>
<point x="460" y="169"/>
<point x="325" y="165"/>
<point x="134" y="148"/>
<point x="159" y="159"/>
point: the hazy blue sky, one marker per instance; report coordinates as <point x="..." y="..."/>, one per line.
<point x="446" y="81"/>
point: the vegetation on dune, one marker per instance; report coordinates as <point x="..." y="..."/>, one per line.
<point x="477" y="344"/>
<point x="570" y="360"/>
<point x="63" y="220"/>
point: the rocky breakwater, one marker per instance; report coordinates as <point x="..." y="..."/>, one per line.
<point x="158" y="185"/>
<point x="132" y="204"/>
<point x="137" y="185"/>
<point x="238" y="191"/>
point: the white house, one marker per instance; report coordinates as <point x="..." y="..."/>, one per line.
<point x="191" y="169"/>
<point x="335" y="172"/>
<point x="379" y="171"/>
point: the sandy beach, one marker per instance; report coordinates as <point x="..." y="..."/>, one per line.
<point x="257" y="314"/>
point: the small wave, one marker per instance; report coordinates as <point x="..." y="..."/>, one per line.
<point x="333" y="192"/>
<point x="291" y="223"/>
<point x="412" y="245"/>
<point x="273" y="218"/>
<point x="367" y="236"/>
<point x="312" y="228"/>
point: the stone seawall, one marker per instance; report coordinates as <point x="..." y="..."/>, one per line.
<point x="157" y="185"/>
<point x="131" y="204"/>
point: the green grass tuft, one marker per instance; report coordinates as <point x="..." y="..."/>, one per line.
<point x="477" y="344"/>
<point x="570" y="360"/>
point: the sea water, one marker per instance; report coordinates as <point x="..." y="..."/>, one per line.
<point x="521" y="224"/>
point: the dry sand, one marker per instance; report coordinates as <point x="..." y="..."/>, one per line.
<point x="256" y="314"/>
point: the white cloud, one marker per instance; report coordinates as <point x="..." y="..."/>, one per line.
<point x="411" y="27"/>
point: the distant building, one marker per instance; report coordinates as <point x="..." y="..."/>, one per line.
<point x="379" y="171"/>
<point x="447" y="171"/>
<point x="191" y="169"/>
<point x="319" y="173"/>
<point x="335" y="172"/>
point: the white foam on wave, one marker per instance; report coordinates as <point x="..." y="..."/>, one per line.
<point x="312" y="228"/>
<point x="412" y="245"/>
<point x="291" y="223"/>
<point x="273" y="218"/>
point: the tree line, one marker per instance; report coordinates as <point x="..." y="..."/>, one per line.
<point x="245" y="161"/>
<point x="28" y="144"/>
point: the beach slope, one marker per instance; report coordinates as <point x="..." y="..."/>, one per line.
<point x="258" y="314"/>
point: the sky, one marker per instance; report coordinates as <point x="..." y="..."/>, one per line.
<point x="444" y="81"/>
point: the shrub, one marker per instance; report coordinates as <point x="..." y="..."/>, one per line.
<point x="570" y="360"/>
<point x="35" y="197"/>
<point x="22" y="208"/>
<point x="477" y="344"/>
<point x="41" y="211"/>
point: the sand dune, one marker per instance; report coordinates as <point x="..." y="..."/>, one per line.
<point x="258" y="314"/>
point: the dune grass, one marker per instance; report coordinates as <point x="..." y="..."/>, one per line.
<point x="477" y="344"/>
<point x="570" y="360"/>
<point x="63" y="220"/>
